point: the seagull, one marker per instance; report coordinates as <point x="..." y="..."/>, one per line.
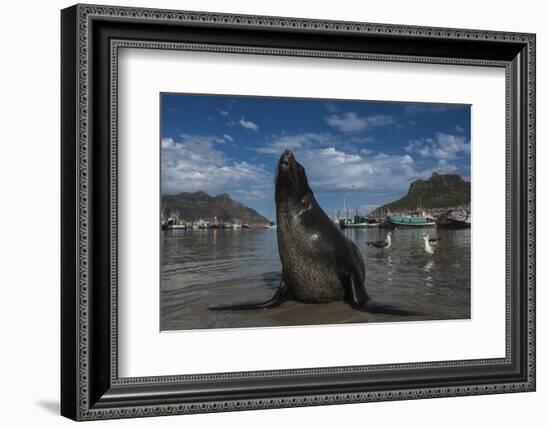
<point x="433" y="241"/>
<point x="383" y="244"/>
<point x="427" y="247"/>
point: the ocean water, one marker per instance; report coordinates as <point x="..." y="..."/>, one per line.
<point x="212" y="267"/>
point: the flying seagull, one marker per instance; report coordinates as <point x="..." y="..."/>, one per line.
<point x="382" y="244"/>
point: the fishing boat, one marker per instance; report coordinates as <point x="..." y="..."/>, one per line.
<point x="357" y="222"/>
<point x="459" y="219"/>
<point x="417" y="220"/>
<point x="173" y="223"/>
<point x="372" y="222"/>
<point x="375" y="224"/>
<point x="204" y="225"/>
<point x="177" y="227"/>
<point x="215" y="224"/>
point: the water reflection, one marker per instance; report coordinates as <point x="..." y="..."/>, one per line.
<point x="244" y="264"/>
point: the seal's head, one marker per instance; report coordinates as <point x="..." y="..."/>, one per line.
<point x="291" y="180"/>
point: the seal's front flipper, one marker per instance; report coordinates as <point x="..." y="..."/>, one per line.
<point x="360" y="300"/>
<point x="279" y="297"/>
<point x="381" y="308"/>
<point x="356" y="290"/>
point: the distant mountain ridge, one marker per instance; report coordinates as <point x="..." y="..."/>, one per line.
<point x="195" y="206"/>
<point x="437" y="192"/>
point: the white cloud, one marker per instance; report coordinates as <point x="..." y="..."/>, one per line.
<point x="350" y="122"/>
<point x="224" y="112"/>
<point x="248" y="124"/>
<point x="167" y="143"/>
<point x="380" y="120"/>
<point x="442" y="147"/>
<point x="194" y="164"/>
<point x="331" y="170"/>
<point x="199" y="139"/>
<point x="333" y="165"/>
<point x="279" y="143"/>
<point x="459" y="129"/>
<point x="360" y="139"/>
<point x="296" y="142"/>
<point x="339" y="157"/>
<point x="414" y="109"/>
<point x="406" y="159"/>
<point x="330" y="107"/>
<point x="445" y="167"/>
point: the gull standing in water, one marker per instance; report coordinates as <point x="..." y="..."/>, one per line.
<point x="427" y="247"/>
<point x="382" y="244"/>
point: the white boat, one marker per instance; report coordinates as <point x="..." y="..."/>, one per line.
<point x="177" y="227"/>
<point x="459" y="219"/>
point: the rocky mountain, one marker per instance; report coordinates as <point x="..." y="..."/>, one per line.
<point x="194" y="206"/>
<point x="437" y="192"/>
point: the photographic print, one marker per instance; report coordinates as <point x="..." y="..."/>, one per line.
<point x="291" y="211"/>
<point x="266" y="211"/>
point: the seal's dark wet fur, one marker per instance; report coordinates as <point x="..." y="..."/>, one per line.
<point x="320" y="264"/>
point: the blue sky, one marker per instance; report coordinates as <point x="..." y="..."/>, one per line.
<point x="368" y="152"/>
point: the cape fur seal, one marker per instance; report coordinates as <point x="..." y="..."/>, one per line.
<point x="320" y="264"/>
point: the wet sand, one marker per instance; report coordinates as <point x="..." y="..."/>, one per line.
<point x="188" y="309"/>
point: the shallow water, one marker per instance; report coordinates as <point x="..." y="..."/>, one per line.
<point x="212" y="267"/>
